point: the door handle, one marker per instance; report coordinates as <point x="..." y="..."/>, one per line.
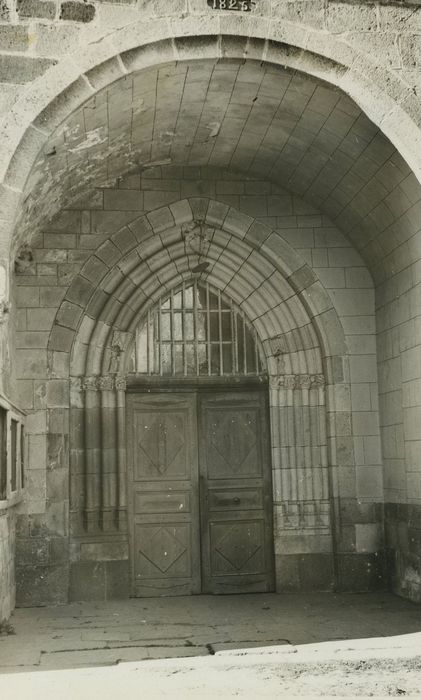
<point x="237" y="500"/>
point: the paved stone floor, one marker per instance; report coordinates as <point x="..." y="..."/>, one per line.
<point x="105" y="634"/>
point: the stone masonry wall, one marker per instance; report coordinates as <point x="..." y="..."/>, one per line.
<point x="398" y="302"/>
<point x="43" y="384"/>
<point x="7" y="564"/>
<point x="378" y="43"/>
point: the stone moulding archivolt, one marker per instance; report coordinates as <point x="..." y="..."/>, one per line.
<point x="297" y="341"/>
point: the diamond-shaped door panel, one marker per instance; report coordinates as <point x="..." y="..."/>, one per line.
<point x="161" y="446"/>
<point x="231" y="437"/>
<point x="238" y="547"/>
<point x="162" y="551"/>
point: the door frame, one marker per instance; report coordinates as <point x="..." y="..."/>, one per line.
<point x="167" y="385"/>
<point x="208" y="401"/>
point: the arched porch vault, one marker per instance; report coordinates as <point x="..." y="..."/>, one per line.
<point x="354" y="166"/>
<point x="319" y="145"/>
<point x="301" y="335"/>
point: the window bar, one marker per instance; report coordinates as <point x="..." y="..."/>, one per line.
<point x="183" y="327"/>
<point x="208" y="330"/>
<point x="256" y="352"/>
<point x="232" y="339"/>
<point x="244" y="343"/>
<point x="172" y="333"/>
<point x="159" y="338"/>
<point x="152" y="351"/>
<point x="18" y="455"/>
<point x="196" y="327"/>
<point x="235" y="342"/>
<point x="221" y="361"/>
<point x="22" y="456"/>
<point x="148" y="345"/>
<point x="13" y="454"/>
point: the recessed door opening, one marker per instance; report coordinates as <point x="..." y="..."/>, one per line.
<point x="199" y="489"/>
<point x="200" y="492"/>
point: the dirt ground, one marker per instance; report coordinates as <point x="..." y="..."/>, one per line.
<point x="261" y="646"/>
<point x="260" y="673"/>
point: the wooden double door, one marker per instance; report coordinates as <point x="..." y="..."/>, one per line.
<point x="200" y="493"/>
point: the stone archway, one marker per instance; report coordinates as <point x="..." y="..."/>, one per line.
<point x="387" y="235"/>
<point x="297" y="325"/>
<point x="61" y="92"/>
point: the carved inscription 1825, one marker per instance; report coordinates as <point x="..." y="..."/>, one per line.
<point x="236" y="5"/>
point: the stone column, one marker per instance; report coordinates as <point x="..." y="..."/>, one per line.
<point x="109" y="486"/>
<point x="92" y="453"/>
<point x="326" y="492"/>
<point x="299" y="433"/>
<point x="120" y="384"/>
<point x="77" y="455"/>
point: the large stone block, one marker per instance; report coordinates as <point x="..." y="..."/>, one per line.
<point x="42" y="585"/>
<point x="22" y="69"/>
<point x="51" y="296"/>
<point x="369" y="537"/>
<point x="87" y="581"/>
<point x="61" y="338"/>
<point x="370" y="482"/>
<point x="28" y="297"/>
<point x="118" y="580"/>
<point x="361" y="572"/>
<point x="301" y="572"/>
<point x="43" y="9"/>
<point x="80" y="291"/>
<point x="123" y="200"/>
<point x="111" y="221"/>
<point x="58" y="393"/>
<point x="32" y="551"/>
<point x="77" y="11"/>
<point x="32" y="339"/>
<point x="30" y="364"/>
<point x="14" y="37"/>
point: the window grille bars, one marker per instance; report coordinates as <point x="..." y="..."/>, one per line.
<point x="196" y="331"/>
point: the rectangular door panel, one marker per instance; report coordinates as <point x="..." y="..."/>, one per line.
<point x="236" y="493"/>
<point x="233" y="441"/>
<point x="165" y="501"/>
<point x="163" y="494"/>
<point x="237" y="546"/>
<point x="163" y="552"/>
<point x="162" y="445"/>
<point x="234" y="498"/>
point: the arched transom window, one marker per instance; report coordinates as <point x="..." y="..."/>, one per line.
<point x="196" y="331"/>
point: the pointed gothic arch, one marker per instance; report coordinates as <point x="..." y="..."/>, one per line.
<point x="301" y="337"/>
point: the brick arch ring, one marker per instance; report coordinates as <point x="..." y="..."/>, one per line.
<point x="294" y="318"/>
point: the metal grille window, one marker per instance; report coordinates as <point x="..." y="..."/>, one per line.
<point x="196" y="331"/>
<point x="14" y="426"/>
<point x="12" y="442"/>
<point x="3" y="453"/>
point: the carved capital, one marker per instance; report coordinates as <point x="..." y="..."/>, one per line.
<point x="120" y="383"/>
<point x="297" y="381"/>
<point x="318" y="381"/>
<point x="90" y="383"/>
<point x="106" y="383"/>
<point x="284" y="381"/>
<point x="303" y="381"/>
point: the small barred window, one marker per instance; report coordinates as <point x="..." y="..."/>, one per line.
<point x="196" y="331"/>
